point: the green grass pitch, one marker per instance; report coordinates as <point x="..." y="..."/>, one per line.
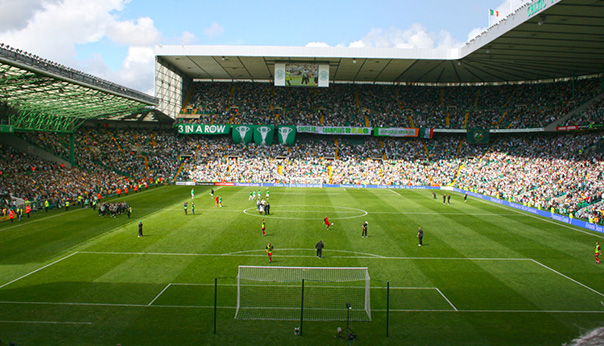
<point x="486" y="275"/>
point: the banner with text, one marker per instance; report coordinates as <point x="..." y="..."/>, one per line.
<point x="264" y="134"/>
<point x="287" y="135"/>
<point x="395" y="132"/>
<point x="243" y="133"/>
<point x="403" y="132"/>
<point x="203" y="129"/>
<point x="335" y="130"/>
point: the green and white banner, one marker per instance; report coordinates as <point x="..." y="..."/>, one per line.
<point x="335" y="130"/>
<point x="243" y="133"/>
<point x="287" y="135"/>
<point x="264" y="134"/>
<point x="478" y="136"/>
<point x="203" y="129"/>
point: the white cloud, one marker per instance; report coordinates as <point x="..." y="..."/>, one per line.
<point x="416" y="36"/>
<point x="317" y="44"/>
<point x="214" y="30"/>
<point x="187" y="38"/>
<point x="141" y="32"/>
<point x="16" y="14"/>
<point x="475" y="32"/>
<point x="55" y="29"/>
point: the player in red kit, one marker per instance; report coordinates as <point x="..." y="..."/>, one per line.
<point x="327" y="222"/>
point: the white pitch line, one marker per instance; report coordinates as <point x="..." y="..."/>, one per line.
<point x="542" y="218"/>
<point x="79" y="304"/>
<point x="461" y="214"/>
<point x="62" y="213"/>
<point x="37" y="270"/>
<point x="568" y="278"/>
<point x="243" y="254"/>
<point x="394" y="192"/>
<point x="40" y="219"/>
<point x="495" y="311"/>
<point x="118" y="305"/>
<point x="160" y="293"/>
<point x="373" y="310"/>
<point x="45" y="322"/>
<point x="447" y="299"/>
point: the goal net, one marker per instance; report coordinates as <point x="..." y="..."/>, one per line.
<point x="316" y="293"/>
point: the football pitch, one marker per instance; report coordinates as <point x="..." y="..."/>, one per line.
<point x="485" y="275"/>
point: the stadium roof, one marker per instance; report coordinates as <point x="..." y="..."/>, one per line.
<point x="542" y="40"/>
<point x="42" y="95"/>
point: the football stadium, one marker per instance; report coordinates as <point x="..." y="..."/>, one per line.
<point x="274" y="195"/>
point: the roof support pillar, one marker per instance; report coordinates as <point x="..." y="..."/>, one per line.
<point x="72" y="148"/>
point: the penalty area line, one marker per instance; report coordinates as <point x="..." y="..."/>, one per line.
<point x="45" y="322"/>
<point x="541" y="218"/>
<point x="568" y="278"/>
<point x="234" y="307"/>
<point x="447" y="299"/>
<point x="37" y="270"/>
<point x="160" y="293"/>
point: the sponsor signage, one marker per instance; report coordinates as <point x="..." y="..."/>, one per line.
<point x="567" y="128"/>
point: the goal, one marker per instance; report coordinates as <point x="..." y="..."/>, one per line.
<point x="317" y="293"/>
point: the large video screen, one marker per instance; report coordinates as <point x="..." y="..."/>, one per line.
<point x="301" y="74"/>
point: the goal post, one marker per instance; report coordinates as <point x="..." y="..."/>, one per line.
<point x="275" y="293"/>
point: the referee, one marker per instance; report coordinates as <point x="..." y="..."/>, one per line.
<point x="319" y="248"/>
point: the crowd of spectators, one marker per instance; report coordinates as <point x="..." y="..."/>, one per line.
<point x="503" y="106"/>
<point x="561" y="172"/>
<point x="36" y="181"/>
<point x="591" y="116"/>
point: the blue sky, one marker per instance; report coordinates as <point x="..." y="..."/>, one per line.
<point x="114" y="39"/>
